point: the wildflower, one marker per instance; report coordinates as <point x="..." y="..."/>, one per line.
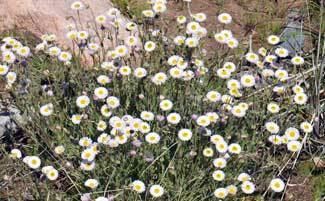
<point x="59" y="149"/>
<point x="234" y="148"/>
<point x="227" y="34"/>
<point x="297" y="60"/>
<point x="275" y="139"/>
<point x="166" y="105"/>
<point x="179" y="40"/>
<point x="159" y="7"/>
<point x="130" y="26"/>
<point x="72" y="35"/>
<point x="144" y="127"/>
<point x="113" y="12"/>
<point x="208" y="152"/>
<point x="76" y="118"/>
<point x="225" y="18"/>
<point x="46" y="169"/>
<point x="230" y="66"/>
<point x="222" y="147"/>
<point x="131" y="41"/>
<point x="23" y="51"/>
<point x="85" y="142"/>
<point x="125" y="70"/>
<point x="8" y="57"/>
<point x="220" y="193"/>
<point x="267" y="73"/>
<point x="91" y="183"/>
<point x="300" y="98"/>
<point x="181" y="19"/>
<point x="262" y="51"/>
<point x="232" y="43"/>
<point x="192" y="27"/>
<point x="243" y="177"/>
<point x="152" y="138"/>
<point x="252" y="57"/>
<point x="147" y="116"/>
<point x="93" y="47"/>
<point x="87" y="166"/>
<point x="82" y="101"/>
<point x="15" y="153"/>
<point x="213" y="96"/>
<point x="181" y="64"/>
<point x="216" y="139"/>
<point x="34" y="162"/>
<point x="121" y="50"/>
<point x="88" y="154"/>
<point x="101" y="125"/>
<point x="223" y="73"/>
<point x="148" y="13"/>
<point x="3" y="69"/>
<point x="297" y="89"/>
<point x="292" y="133"/>
<point x="281" y="52"/>
<point x="219" y="163"/>
<point x="238" y="111"/>
<point x="11" y="77"/>
<point x="272" y="127"/>
<point x="103" y="138"/>
<point x="185" y="134"/>
<point x="270" y="58"/>
<point x="174" y="118"/>
<point x="294" y="146"/>
<point x="219" y="37"/>
<point x="140" y="72"/>
<point x="279" y="89"/>
<point x="191" y="42"/>
<point x="281" y="74"/>
<point x="52" y="174"/>
<point x="277" y="185"/>
<point x="54" y="51"/>
<point x="46" y="110"/>
<point x="101" y="19"/>
<point x="273" y="40"/>
<point x="200" y="17"/>
<point x="121" y="139"/>
<point x="213" y="116"/>
<point x="176" y="72"/>
<point x="203" y="121"/>
<point x="247" y="80"/>
<point x="232" y="189"/>
<point x="112" y="102"/>
<point x="65" y="56"/>
<point x="218" y="175"/>
<point x="273" y="108"/>
<point x="101" y="92"/>
<point x="159" y="78"/>
<point x="233" y="84"/>
<point x="284" y="139"/>
<point x="77" y="5"/>
<point x="156" y="190"/>
<point x="248" y="187"/>
<point x="138" y="186"/>
<point x="243" y="106"/>
<point x="149" y="46"/>
<point x="306" y="127"/>
<point x="187" y="75"/>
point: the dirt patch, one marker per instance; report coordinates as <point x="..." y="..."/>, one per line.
<point x="300" y="189"/>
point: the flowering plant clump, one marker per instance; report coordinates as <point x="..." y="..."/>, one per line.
<point x="154" y="117"/>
